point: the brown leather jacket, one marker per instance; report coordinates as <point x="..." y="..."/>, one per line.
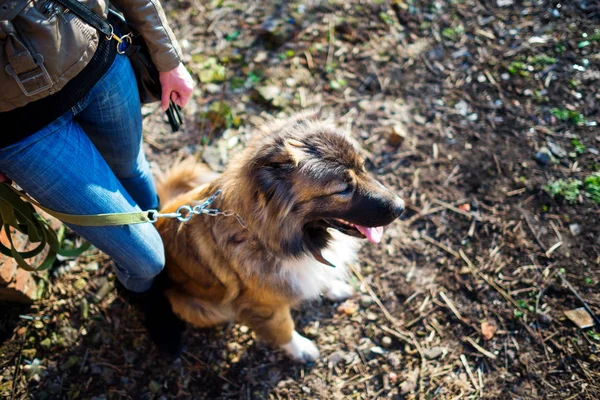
<point x="62" y="44"/>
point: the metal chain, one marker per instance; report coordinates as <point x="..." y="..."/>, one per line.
<point x="185" y="213"/>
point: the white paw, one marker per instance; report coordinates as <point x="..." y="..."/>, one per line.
<point x="338" y="291"/>
<point x="301" y="349"/>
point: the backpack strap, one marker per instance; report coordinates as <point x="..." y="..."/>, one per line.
<point x="88" y="16"/>
<point x="26" y="68"/>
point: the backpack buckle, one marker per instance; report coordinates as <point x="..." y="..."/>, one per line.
<point x="38" y="79"/>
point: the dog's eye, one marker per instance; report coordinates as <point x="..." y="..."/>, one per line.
<point x="346" y="190"/>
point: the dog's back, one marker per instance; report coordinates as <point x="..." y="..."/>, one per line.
<point x="182" y="177"/>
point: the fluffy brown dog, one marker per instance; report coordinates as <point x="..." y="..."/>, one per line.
<point x="304" y="196"/>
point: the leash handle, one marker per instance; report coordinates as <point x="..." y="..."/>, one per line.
<point x="21" y="216"/>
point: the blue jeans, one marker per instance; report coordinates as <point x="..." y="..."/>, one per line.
<point x="90" y="161"/>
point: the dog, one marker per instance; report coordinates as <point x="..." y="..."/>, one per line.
<point x="303" y="201"/>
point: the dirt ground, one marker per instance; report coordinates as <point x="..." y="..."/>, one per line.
<point x="481" y="114"/>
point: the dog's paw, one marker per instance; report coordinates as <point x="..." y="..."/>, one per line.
<point x="338" y="291"/>
<point x="301" y="349"/>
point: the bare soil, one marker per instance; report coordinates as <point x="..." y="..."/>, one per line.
<point x="467" y="109"/>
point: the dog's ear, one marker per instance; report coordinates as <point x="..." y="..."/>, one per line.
<point x="296" y="150"/>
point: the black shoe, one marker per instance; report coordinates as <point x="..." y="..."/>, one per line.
<point x="164" y="327"/>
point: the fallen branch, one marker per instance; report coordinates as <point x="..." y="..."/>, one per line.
<point x="585" y="304"/>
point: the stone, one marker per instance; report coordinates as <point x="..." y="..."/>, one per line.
<point x="386" y="342"/>
<point x="433" y="353"/>
<point x="557" y="150"/>
<point x="544" y="156"/>
<point x="575" y="229"/>
<point x="366" y="301"/>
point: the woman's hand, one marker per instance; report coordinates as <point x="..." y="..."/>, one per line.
<point x="177" y="85"/>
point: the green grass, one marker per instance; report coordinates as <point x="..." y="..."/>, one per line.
<point x="592" y="187"/>
<point x="568" y="115"/>
<point x="570" y="189"/>
<point x="567" y="189"/>
<point x="454" y="32"/>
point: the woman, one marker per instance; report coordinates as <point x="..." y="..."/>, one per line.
<point x="72" y="131"/>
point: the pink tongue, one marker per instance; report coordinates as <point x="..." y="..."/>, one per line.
<point x="373" y="234"/>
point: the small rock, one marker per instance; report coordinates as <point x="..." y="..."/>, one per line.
<point x="102" y="292"/>
<point x="394" y="359"/>
<point x="575" y="229"/>
<point x="269" y="92"/>
<point x="46" y="343"/>
<point x="366" y="301"/>
<point x="372" y="316"/>
<point x="386" y="342"/>
<point x="92" y="267"/>
<point x="244" y="329"/>
<point x="393" y="377"/>
<point x="504" y="3"/>
<point x="433" y="353"/>
<point x="233" y="347"/>
<point x="543" y="157"/>
<point x="410" y="384"/>
<point x="337" y="357"/>
<point x="556" y="149"/>
<point x="312" y="332"/>
<point x="580" y="317"/>
<point x="462" y="107"/>
<point x="397" y="135"/>
<point x="29" y="353"/>
<point x="349" y="307"/>
<point x="377" y="350"/>
<point x="80" y="284"/>
<point x="419" y="119"/>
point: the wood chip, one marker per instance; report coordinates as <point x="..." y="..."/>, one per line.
<point x="580" y="317"/>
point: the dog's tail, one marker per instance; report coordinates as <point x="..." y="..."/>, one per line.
<point x="182" y="177"/>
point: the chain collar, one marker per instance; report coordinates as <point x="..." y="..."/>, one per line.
<point x="186" y="212"/>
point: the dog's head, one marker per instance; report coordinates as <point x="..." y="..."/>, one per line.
<point x="306" y="177"/>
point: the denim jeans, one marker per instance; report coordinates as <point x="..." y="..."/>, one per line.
<point x="90" y="161"/>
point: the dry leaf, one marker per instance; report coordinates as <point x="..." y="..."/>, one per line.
<point x="488" y="330"/>
<point x="580" y="317"/>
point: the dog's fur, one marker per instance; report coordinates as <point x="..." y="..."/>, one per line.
<point x="290" y="184"/>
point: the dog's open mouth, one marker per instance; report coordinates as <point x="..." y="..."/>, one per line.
<point x="373" y="234"/>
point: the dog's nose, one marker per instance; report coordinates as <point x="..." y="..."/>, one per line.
<point x="398" y="207"/>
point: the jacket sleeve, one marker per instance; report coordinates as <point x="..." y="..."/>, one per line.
<point x="149" y="19"/>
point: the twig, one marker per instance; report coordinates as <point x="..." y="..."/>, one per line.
<point x="409" y="338"/>
<point x="480" y="349"/>
<point x="537" y="238"/>
<point x="433" y="210"/>
<point x="451" y="175"/>
<point x="17" y="367"/>
<point x="551" y="249"/>
<point x="457" y="210"/>
<point x="585" y="304"/>
<point x="441" y="246"/>
<point x="387" y="314"/>
<point x="452" y="307"/>
<point x="463" y="359"/>
<point x="331" y="40"/>
<point x="489" y="281"/>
